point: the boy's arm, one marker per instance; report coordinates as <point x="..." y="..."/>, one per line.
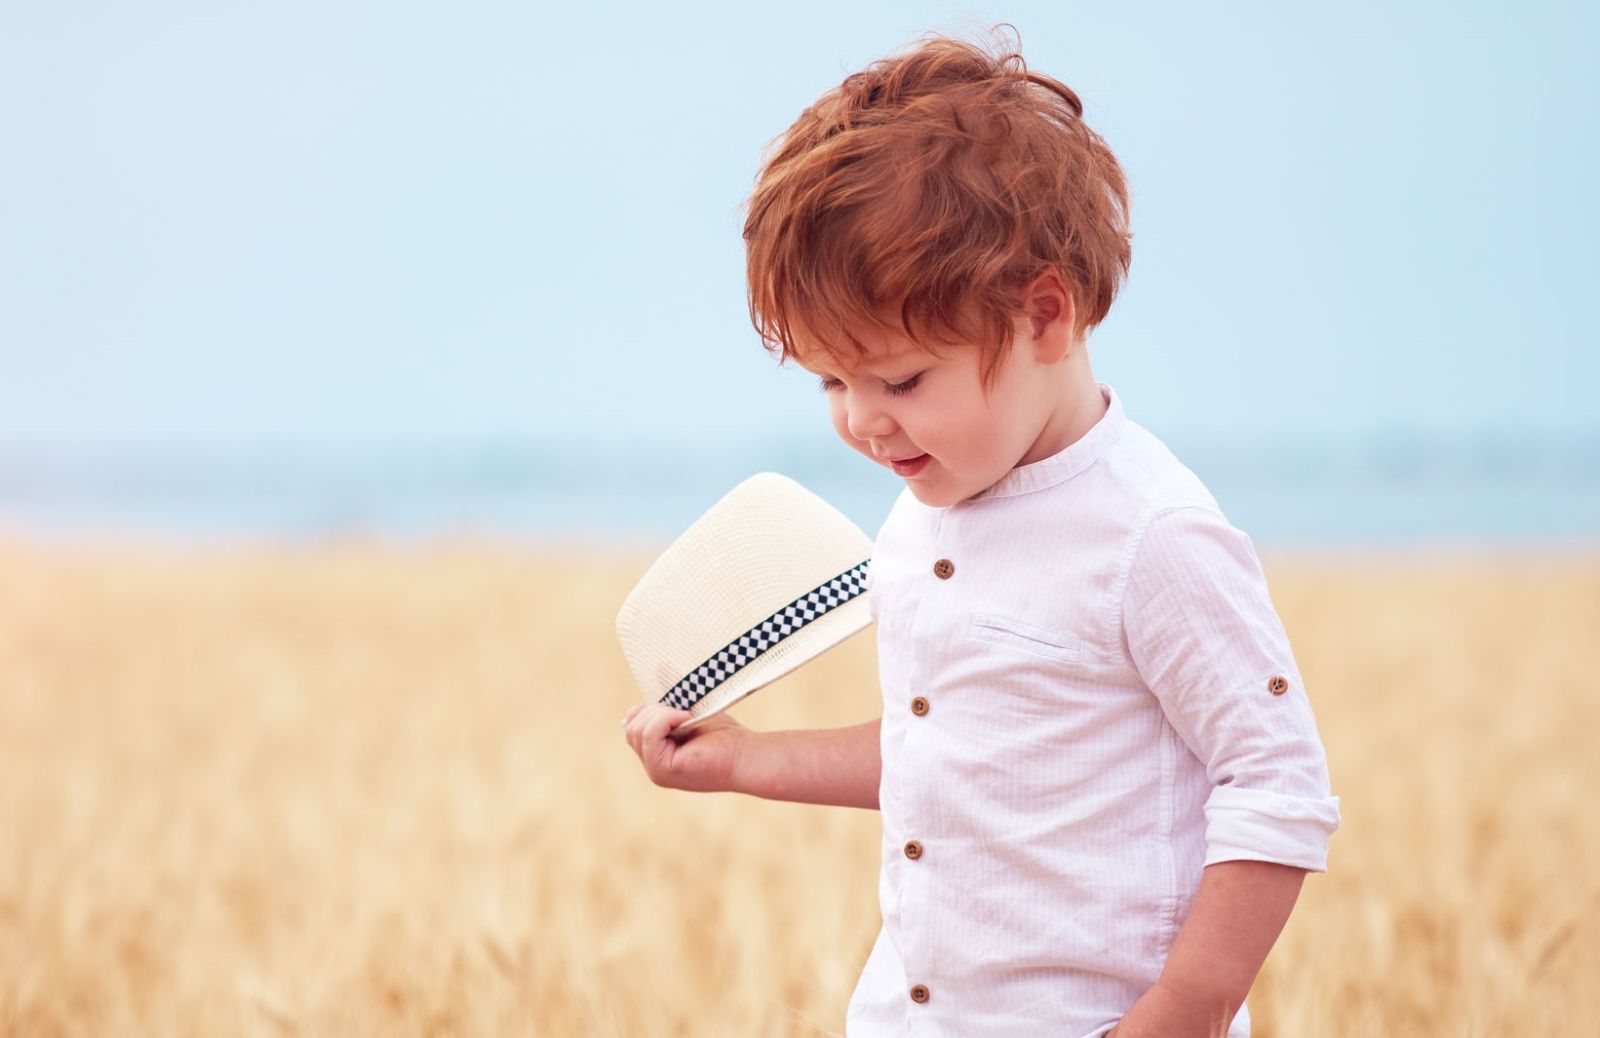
<point x="837" y="766"/>
<point x="1237" y="914"/>
<point x="1202" y="631"/>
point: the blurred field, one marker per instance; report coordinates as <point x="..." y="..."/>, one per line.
<point x="362" y="790"/>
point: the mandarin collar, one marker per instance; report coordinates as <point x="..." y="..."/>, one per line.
<point x="1069" y="460"/>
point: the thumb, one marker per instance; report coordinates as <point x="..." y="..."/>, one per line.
<point x="663" y="721"/>
<point x="675" y="725"/>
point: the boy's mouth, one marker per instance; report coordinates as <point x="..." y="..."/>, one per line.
<point x="908" y="466"/>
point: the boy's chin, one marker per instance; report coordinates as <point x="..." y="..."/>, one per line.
<point x="932" y="496"/>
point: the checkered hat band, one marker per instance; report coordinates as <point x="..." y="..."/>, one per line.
<point x="727" y="661"/>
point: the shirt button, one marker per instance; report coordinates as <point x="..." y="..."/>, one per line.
<point x="1278" y="685"/>
<point x="919" y="705"/>
<point x="919" y="992"/>
<point x="913" y="849"/>
<point x="943" y="568"/>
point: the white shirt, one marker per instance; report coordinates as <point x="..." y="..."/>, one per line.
<point x="1087" y="697"/>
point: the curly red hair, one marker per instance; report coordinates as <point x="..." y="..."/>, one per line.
<point x="921" y="194"/>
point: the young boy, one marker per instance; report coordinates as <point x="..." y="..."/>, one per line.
<point x="1100" y="779"/>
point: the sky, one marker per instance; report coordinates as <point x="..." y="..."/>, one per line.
<point x="335" y="225"/>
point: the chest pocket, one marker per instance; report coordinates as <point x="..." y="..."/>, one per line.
<point x="1025" y="637"/>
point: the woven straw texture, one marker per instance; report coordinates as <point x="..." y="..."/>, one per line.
<point x="767" y="542"/>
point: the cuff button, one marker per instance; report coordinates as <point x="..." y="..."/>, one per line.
<point x="1278" y="685"/>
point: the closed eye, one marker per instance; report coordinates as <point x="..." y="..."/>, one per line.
<point x="824" y="383"/>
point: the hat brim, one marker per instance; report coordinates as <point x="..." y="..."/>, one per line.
<point x="800" y="648"/>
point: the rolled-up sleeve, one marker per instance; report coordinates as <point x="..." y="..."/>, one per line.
<point x="1206" y="640"/>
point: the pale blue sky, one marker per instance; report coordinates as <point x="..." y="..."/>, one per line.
<point x="361" y="224"/>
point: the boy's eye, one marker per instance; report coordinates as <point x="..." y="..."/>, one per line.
<point x="824" y="383"/>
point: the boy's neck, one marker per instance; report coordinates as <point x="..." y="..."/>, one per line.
<point x="1079" y="404"/>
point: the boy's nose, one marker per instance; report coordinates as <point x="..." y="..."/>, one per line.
<point x="867" y="421"/>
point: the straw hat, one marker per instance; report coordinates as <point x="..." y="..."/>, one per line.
<point x="768" y="578"/>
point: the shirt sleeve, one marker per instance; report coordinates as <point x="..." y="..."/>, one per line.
<point x="1206" y="640"/>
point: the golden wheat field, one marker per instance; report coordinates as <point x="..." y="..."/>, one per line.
<point x="358" y="788"/>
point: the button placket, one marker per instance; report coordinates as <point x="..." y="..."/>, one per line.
<point x="914" y="887"/>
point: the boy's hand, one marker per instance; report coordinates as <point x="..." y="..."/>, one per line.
<point x="1163" y="1013"/>
<point x="703" y="761"/>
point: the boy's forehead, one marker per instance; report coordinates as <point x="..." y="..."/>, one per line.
<point x="880" y="355"/>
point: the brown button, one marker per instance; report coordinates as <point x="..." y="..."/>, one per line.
<point x="913" y="850"/>
<point x="943" y="568"/>
<point x="919" y="992"/>
<point x="919" y="706"/>
<point x="1278" y="685"/>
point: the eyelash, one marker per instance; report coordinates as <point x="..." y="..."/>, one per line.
<point x="902" y="389"/>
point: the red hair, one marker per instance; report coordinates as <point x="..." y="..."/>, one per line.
<point x="921" y="195"/>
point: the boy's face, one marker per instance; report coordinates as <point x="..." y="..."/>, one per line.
<point x="901" y="403"/>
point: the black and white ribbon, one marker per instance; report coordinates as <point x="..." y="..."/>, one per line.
<point x="727" y="661"/>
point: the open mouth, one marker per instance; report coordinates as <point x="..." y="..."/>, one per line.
<point x="910" y="465"/>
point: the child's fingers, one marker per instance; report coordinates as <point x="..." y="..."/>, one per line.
<point x="662" y="720"/>
<point x="634" y="723"/>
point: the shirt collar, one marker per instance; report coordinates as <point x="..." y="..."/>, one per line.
<point x="1069" y="460"/>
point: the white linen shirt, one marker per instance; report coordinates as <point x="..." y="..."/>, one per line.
<point x="1087" y="698"/>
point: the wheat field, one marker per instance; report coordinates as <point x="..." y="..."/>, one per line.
<point x="369" y="788"/>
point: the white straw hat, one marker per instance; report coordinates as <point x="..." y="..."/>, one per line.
<point x="768" y="578"/>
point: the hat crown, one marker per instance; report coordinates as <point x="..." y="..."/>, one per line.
<point x="764" y="544"/>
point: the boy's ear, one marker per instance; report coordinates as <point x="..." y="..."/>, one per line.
<point x="1050" y="313"/>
